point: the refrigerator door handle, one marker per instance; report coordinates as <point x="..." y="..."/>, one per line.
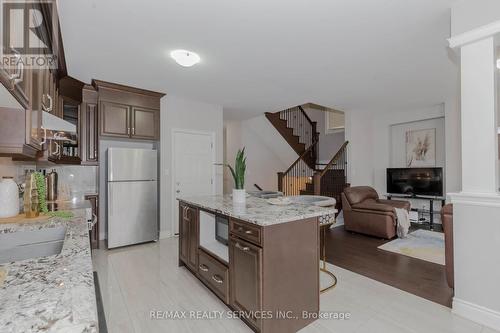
<point x="110" y="192"/>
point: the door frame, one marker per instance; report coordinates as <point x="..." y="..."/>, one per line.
<point x="172" y="174"/>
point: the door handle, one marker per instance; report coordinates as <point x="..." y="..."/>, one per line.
<point x="110" y="201"/>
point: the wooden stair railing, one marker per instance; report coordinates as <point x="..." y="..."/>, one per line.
<point x="298" y="130"/>
<point x="298" y="175"/>
<point x="332" y="180"/>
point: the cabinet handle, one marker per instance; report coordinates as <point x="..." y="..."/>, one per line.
<point x="242" y="248"/>
<point x="128" y="131"/>
<point x="217" y="279"/>
<point x="133" y="130"/>
<point x="204" y="268"/>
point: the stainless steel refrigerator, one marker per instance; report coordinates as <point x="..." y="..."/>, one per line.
<point x="132" y="208"/>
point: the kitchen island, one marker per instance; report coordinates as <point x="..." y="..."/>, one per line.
<point x="270" y="275"/>
<point x="51" y="293"/>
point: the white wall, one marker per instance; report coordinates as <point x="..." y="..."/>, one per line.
<point x="180" y="113"/>
<point x="266" y="150"/>
<point x="470" y="14"/>
<point x="370" y="142"/>
<point x="359" y="132"/>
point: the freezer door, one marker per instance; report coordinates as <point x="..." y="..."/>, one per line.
<point x="125" y="164"/>
<point x="132" y="213"/>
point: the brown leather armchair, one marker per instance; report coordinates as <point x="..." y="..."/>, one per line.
<point x="447" y="221"/>
<point x="365" y="213"/>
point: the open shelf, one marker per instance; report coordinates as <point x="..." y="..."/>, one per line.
<point x="207" y="237"/>
<point x="218" y="249"/>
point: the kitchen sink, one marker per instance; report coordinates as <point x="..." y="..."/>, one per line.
<point x="21" y="245"/>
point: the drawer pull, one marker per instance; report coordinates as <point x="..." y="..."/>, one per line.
<point x="248" y="232"/>
<point x="242" y="248"/>
<point x="204" y="268"/>
<point x="217" y="279"/>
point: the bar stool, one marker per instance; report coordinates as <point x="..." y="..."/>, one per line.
<point x="325" y="222"/>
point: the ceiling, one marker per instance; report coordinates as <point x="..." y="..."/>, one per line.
<point x="260" y="56"/>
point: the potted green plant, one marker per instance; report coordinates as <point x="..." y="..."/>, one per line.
<point x="238" y="172"/>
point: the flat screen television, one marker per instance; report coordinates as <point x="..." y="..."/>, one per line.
<point x="415" y="181"/>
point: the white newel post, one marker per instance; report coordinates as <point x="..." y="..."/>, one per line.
<point x="476" y="209"/>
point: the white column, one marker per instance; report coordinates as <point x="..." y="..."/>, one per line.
<point x="479" y="130"/>
<point x="476" y="210"/>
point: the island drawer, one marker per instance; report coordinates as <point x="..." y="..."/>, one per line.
<point x="246" y="231"/>
<point x="214" y="274"/>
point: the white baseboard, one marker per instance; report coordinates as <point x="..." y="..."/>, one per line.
<point x="476" y="313"/>
<point x="165" y="234"/>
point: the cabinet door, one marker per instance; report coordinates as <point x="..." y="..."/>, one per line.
<point x="145" y="123"/>
<point x="192" y="217"/>
<point x="89" y="143"/>
<point x="183" y="234"/>
<point x="245" y="277"/>
<point x="114" y="119"/>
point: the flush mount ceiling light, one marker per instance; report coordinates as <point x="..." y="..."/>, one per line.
<point x="185" y="58"/>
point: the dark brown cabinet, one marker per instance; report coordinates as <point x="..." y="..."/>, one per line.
<point x="94" y="233"/>
<point x="128" y="112"/>
<point x="188" y="236"/>
<point x="214" y="274"/>
<point x="271" y="269"/>
<point x="115" y="119"/>
<point x="145" y="123"/>
<point x="245" y="276"/>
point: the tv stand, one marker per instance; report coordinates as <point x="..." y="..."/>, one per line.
<point x="422" y="197"/>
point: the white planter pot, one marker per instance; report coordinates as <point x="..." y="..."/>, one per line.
<point x="239" y="196"/>
<point x="9" y="198"/>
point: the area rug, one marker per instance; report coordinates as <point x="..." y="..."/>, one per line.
<point x="421" y="244"/>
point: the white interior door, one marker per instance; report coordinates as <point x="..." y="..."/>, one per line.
<point x="193" y="167"/>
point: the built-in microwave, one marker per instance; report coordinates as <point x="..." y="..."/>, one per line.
<point x="222" y="229"/>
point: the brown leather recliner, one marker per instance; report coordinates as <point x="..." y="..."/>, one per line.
<point x="447" y="221"/>
<point x="365" y="213"/>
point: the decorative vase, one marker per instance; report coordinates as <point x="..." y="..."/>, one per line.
<point x="9" y="197"/>
<point x="239" y="196"/>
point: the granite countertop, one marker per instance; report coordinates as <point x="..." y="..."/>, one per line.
<point x="259" y="211"/>
<point x="53" y="293"/>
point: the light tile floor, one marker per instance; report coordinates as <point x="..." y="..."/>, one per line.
<point x="143" y="278"/>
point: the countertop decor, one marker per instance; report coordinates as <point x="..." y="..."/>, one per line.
<point x="54" y="293"/>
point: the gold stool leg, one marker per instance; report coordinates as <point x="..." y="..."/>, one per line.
<point x="323" y="259"/>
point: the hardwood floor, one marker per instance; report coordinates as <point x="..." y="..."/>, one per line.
<point x="359" y="253"/>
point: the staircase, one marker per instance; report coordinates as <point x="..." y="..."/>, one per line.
<point x="304" y="176"/>
<point x="298" y="130"/>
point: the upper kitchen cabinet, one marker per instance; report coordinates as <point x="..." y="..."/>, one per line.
<point x="115" y="119"/>
<point x="127" y="112"/>
<point x="29" y="72"/>
<point x="145" y="123"/>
